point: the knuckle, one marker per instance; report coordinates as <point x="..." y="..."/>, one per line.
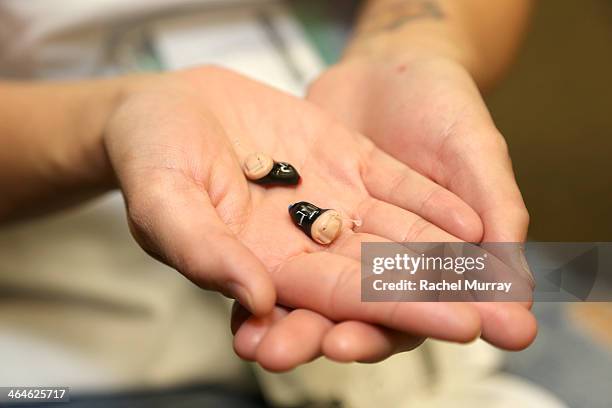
<point x="400" y="181"/>
<point x="523" y="216"/>
<point x="434" y="199"/>
<point x="501" y="142"/>
<point x="418" y="227"/>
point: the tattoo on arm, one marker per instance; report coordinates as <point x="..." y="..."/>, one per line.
<point x="396" y="14"/>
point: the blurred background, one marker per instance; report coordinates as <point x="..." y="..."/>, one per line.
<point x="555" y="109"/>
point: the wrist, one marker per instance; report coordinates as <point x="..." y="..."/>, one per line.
<point x="374" y="75"/>
<point x="440" y="29"/>
<point x="86" y="164"/>
<point x="369" y="92"/>
<point x="88" y="155"/>
<point x="52" y="136"/>
<point x="428" y="41"/>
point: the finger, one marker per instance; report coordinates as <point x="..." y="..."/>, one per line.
<point x="293" y="340"/>
<point x="497" y="319"/>
<point x="489" y="186"/>
<point x="513" y="255"/>
<point x="508" y="264"/>
<point x="331" y="285"/>
<point x="358" y="341"/>
<point x="239" y="316"/>
<point x="174" y="218"/>
<point x="507" y="325"/>
<point x="389" y="180"/>
<point x="249" y="334"/>
<point x="349" y="245"/>
<point x="398" y="225"/>
<point x="483" y="177"/>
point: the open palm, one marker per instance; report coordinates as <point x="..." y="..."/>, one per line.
<point x="176" y="146"/>
<point x="428" y="113"/>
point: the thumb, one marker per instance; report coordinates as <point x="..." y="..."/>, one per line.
<point x="175" y="221"/>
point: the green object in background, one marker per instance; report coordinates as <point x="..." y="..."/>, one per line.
<point x="327" y="34"/>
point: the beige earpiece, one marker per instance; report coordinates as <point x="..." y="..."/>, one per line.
<point x="261" y="169"/>
<point x="257" y="166"/>
<point x="327" y="227"/>
<point x="323" y="226"/>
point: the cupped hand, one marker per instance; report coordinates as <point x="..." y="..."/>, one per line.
<point x="175" y="144"/>
<point x="428" y="113"/>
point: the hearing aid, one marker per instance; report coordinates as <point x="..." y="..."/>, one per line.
<point x="261" y="169"/>
<point x="321" y="225"/>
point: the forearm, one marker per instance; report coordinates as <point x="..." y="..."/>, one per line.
<point x="51" y="138"/>
<point x="482" y="35"/>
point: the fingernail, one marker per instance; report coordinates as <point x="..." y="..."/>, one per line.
<point x="526" y="267"/>
<point x="239" y="316"/>
<point x="242" y="295"/>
